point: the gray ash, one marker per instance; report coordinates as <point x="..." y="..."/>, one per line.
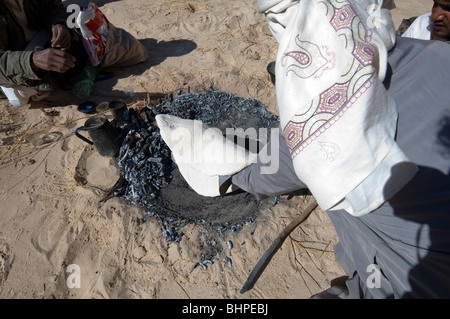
<point x="220" y="109"/>
<point x="151" y="179"/>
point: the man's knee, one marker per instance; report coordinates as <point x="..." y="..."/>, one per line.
<point x="21" y="95"/>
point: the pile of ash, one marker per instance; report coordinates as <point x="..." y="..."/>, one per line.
<point x="150" y="178"/>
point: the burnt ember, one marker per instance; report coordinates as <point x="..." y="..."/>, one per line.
<point x="150" y="178"/>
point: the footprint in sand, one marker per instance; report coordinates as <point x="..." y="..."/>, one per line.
<point x="95" y="170"/>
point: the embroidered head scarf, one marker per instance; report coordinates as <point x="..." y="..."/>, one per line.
<point x="338" y="120"/>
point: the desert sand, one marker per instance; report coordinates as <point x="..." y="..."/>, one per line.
<point x="50" y="220"/>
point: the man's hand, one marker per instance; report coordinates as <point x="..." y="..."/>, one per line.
<point x="53" y="60"/>
<point x="61" y="37"/>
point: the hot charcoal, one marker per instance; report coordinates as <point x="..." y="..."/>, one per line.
<point x="150" y="178"/>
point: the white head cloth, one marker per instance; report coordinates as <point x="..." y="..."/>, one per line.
<point x="338" y="119"/>
<point x="421" y="28"/>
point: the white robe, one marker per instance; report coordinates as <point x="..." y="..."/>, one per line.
<point x="338" y="119"/>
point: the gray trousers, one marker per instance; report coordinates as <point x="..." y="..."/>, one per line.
<point x="402" y="249"/>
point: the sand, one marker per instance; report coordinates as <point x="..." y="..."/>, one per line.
<point x="51" y="182"/>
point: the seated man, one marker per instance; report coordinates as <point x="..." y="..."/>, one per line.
<point x="407" y="237"/>
<point x="35" y="47"/>
<point x="434" y="25"/>
<point x="365" y="123"/>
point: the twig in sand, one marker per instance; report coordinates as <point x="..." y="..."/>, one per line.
<point x="173" y="276"/>
<point x="276" y="244"/>
<point x="297" y="262"/>
<point x="110" y="194"/>
<point x="34" y="170"/>
<point x="309" y="255"/>
<point x="298" y="243"/>
<point x="329" y="243"/>
<point x="27" y="134"/>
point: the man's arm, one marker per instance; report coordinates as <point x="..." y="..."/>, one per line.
<point x="16" y="68"/>
<point x="52" y="60"/>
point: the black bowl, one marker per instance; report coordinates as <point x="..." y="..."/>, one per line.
<point x="87" y="107"/>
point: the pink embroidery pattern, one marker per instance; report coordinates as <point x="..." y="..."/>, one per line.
<point x="308" y="59"/>
<point x="301" y="57"/>
<point x="343" y="17"/>
<point x="332" y="103"/>
<point x="364" y="52"/>
<point x="296" y="137"/>
<point x="331" y="62"/>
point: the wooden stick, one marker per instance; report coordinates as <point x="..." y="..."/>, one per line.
<point x="265" y="259"/>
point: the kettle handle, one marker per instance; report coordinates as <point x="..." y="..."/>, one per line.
<point x="81" y="136"/>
